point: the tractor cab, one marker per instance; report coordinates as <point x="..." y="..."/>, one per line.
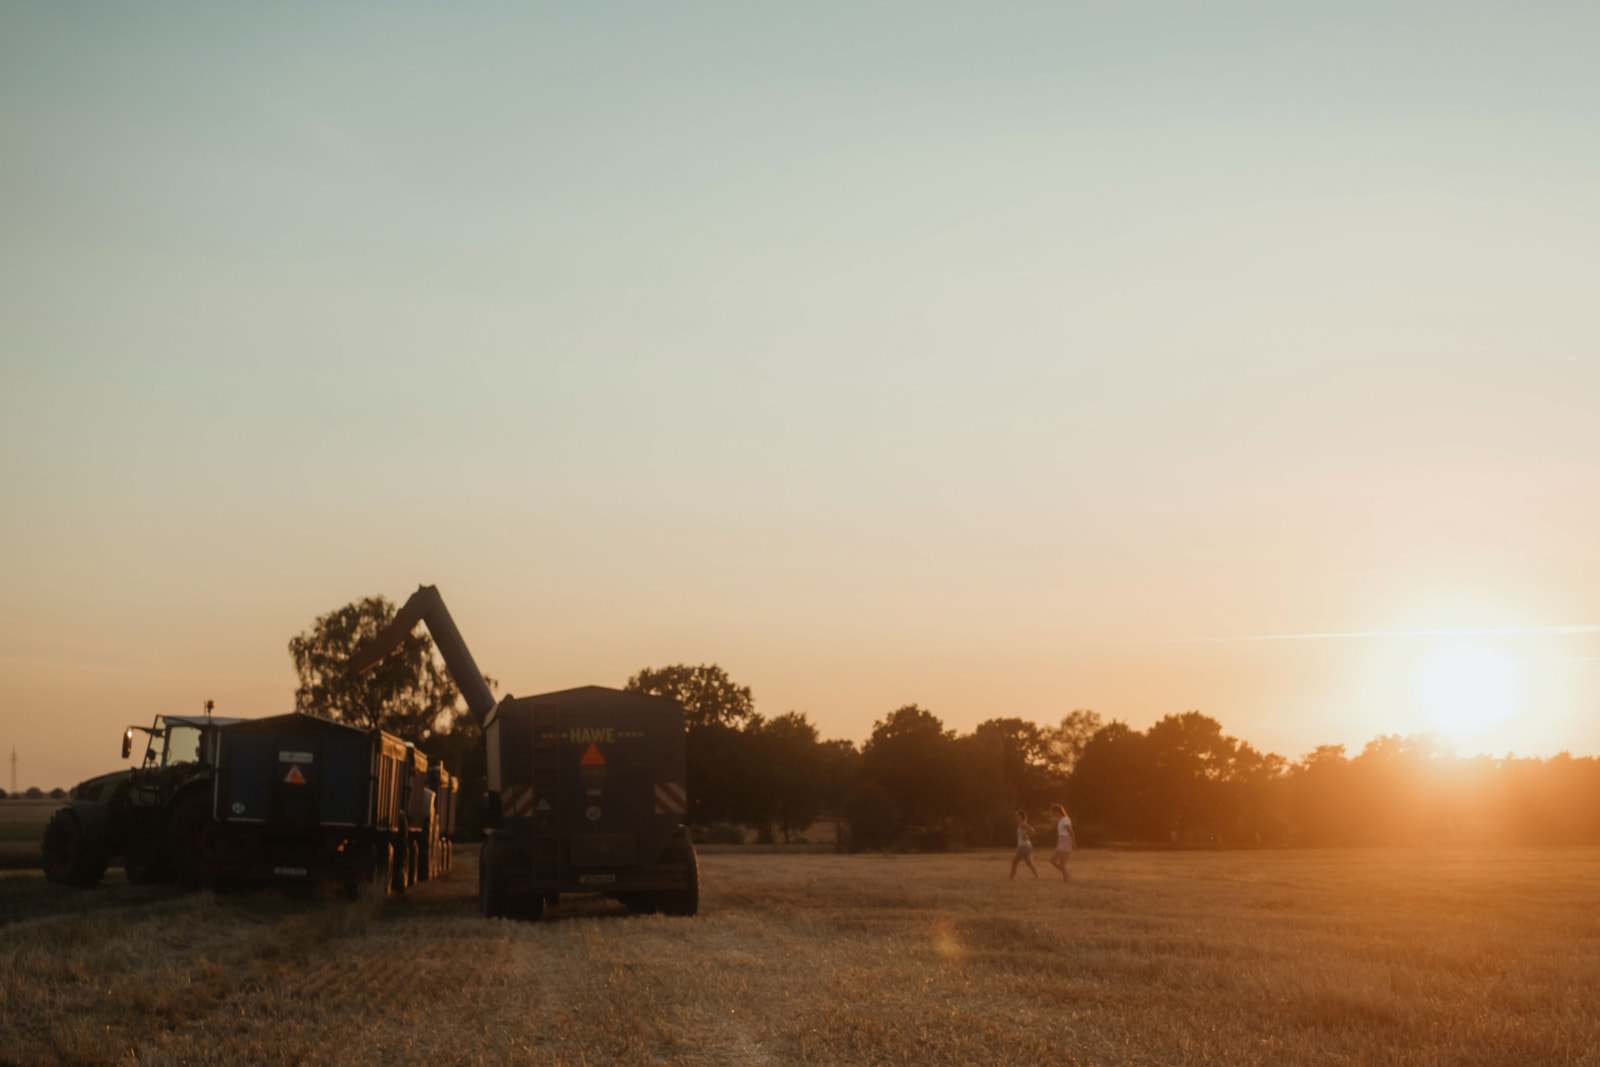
<point x="178" y="748"/>
<point x="176" y="739"/>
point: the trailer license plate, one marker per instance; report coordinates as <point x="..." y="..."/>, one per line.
<point x="596" y="879"/>
<point x="292" y="872"/>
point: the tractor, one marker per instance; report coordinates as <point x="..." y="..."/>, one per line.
<point x="152" y="815"/>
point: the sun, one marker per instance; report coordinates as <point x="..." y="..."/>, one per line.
<point x="1466" y="686"/>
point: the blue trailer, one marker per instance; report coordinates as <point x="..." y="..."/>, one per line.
<point x="301" y="798"/>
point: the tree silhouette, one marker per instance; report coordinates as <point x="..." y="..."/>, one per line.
<point x="791" y="787"/>
<point x="1069" y="737"/>
<point x="1028" y="765"/>
<point x="913" y="759"/>
<point x="722" y="769"/>
<point x="1111" y="785"/>
<point x="706" y="693"/>
<point x="409" y="694"/>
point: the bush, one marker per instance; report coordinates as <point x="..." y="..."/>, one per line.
<point x="870" y="818"/>
<point x="717" y="833"/>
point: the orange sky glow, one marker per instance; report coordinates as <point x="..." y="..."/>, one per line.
<point x="1001" y="362"/>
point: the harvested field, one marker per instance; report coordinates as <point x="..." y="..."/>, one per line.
<point x="1445" y="957"/>
<point x="22" y="825"/>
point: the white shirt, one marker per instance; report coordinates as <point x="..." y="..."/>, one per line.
<point x="1064" y="833"/>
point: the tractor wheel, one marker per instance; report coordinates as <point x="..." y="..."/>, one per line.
<point x="69" y="858"/>
<point x="184" y="827"/>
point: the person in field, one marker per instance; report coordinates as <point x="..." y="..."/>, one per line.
<point x="1064" y="841"/>
<point x="1024" y="853"/>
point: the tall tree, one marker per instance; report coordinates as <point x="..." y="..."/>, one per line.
<point x="722" y="771"/>
<point x="913" y="759"/>
<point x="1193" y="770"/>
<point x="1027" y="756"/>
<point x="706" y="693"/>
<point x="1110" y="786"/>
<point x="409" y="694"/>
<point x="1068" y="738"/>
<point x="792" y="785"/>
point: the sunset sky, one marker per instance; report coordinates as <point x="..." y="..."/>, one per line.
<point x="1005" y="360"/>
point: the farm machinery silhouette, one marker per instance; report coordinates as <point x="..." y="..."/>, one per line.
<point x="586" y="786"/>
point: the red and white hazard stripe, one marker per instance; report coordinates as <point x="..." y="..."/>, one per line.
<point x="517" y="800"/>
<point x="671" y="798"/>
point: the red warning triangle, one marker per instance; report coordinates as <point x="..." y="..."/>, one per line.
<point x="592" y="758"/>
<point x="294" y="777"/>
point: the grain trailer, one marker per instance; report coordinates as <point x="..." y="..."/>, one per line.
<point x="303" y="798"/>
<point x="587" y="789"/>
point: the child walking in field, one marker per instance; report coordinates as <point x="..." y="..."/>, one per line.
<point x="1064" y="842"/>
<point x="1024" y="852"/>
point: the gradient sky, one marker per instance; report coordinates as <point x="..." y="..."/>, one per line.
<point x="1003" y="360"/>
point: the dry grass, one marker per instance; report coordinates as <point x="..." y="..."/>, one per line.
<point x="1448" y="957"/>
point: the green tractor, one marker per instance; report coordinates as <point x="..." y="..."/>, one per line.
<point x="151" y="815"/>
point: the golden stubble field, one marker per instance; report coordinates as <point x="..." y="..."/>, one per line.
<point x="1370" y="957"/>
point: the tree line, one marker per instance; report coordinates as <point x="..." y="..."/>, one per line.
<point x="33" y="792"/>
<point x="1183" y="782"/>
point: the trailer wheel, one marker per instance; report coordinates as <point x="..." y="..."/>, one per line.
<point x="382" y="880"/>
<point x="69" y="858"/>
<point x="432" y="860"/>
<point x="684" y="901"/>
<point x="400" y="869"/>
<point x="188" y="820"/>
<point x="527" y="907"/>
<point x="491" y="893"/>
<point x="640" y="903"/>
